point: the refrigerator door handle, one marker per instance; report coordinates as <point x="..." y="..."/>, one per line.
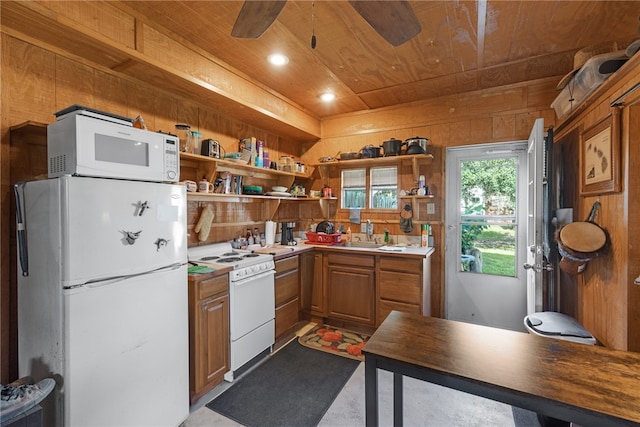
<point x="113" y="279"/>
<point x="21" y="227"/>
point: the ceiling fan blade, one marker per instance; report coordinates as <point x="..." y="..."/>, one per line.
<point x="255" y="17"/>
<point x="395" y="21"/>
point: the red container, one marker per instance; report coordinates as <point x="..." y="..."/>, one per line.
<point x="323" y="238"/>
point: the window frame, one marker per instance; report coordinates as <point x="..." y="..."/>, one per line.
<point x="368" y="188"/>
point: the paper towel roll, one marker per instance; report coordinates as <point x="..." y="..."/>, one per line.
<point x="270" y="232"/>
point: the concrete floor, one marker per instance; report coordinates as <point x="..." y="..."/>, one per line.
<point x="425" y="404"/>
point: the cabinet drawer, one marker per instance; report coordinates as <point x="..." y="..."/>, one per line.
<point x="286" y="317"/>
<point x="286" y="264"/>
<point x="404" y="287"/>
<point x="385" y="307"/>
<point x="401" y="264"/>
<point x="286" y="287"/>
<point x="351" y="259"/>
<point x="210" y="287"/>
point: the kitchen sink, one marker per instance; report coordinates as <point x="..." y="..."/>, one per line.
<point x="371" y="245"/>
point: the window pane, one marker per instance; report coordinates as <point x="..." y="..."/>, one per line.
<point x="384" y="176"/>
<point x="354" y="178"/>
<point x="384" y="198"/>
<point x="487" y="214"/>
<point x="354" y="188"/>
<point x="353" y="198"/>
<point x="384" y="188"/>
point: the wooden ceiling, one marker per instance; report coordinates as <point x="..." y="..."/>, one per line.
<point x="463" y="46"/>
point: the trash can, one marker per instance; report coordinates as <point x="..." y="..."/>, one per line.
<point x="558" y="326"/>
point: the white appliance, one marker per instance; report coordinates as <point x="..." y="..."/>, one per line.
<point x="89" y="142"/>
<point x="102" y="299"/>
<point x="251" y="300"/>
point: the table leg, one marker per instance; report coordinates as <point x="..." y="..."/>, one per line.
<point x="397" y="399"/>
<point x="371" y="391"/>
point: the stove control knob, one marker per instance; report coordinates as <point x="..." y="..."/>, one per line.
<point x="240" y="273"/>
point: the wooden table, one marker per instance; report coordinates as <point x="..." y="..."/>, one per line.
<point x="588" y="385"/>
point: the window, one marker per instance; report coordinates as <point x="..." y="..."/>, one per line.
<point x="354" y="188"/>
<point x="380" y="192"/>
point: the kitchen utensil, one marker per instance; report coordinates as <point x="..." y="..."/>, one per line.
<point x="416" y="145"/>
<point x="350" y="155"/>
<point x="325" y="227"/>
<point x="392" y="147"/>
<point x="369" y="152"/>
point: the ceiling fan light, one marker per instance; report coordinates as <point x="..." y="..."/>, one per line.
<point x="278" y="59"/>
<point x="328" y="96"/>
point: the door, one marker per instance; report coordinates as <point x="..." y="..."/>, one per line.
<point x="534" y="264"/>
<point x="126" y="352"/>
<point x="113" y="227"/>
<point x="486" y="223"/>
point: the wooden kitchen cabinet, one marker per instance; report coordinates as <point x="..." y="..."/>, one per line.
<point x="403" y="285"/>
<point x="312" y="289"/>
<point x="287" y="283"/>
<point x="351" y="287"/>
<point x="208" y="333"/>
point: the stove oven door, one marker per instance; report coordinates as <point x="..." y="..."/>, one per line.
<point x="252" y="303"/>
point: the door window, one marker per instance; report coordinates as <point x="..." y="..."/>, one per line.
<point x="488" y="216"/>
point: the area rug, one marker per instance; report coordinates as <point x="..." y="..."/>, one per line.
<point x="294" y="387"/>
<point x="336" y="341"/>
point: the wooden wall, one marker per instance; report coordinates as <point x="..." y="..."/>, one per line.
<point x="36" y="82"/>
<point x="608" y="302"/>
<point x="499" y="115"/>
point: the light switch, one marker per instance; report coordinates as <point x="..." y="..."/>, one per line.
<point x="431" y="208"/>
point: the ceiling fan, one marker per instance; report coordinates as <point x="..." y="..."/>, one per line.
<point x="395" y="21"/>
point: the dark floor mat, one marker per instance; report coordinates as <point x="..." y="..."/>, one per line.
<point x="294" y="387"/>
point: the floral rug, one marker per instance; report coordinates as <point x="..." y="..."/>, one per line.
<point x="335" y="340"/>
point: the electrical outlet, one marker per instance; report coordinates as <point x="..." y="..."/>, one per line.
<point x="431" y="208"/>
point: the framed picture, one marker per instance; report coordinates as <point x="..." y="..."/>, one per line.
<point x="600" y="156"/>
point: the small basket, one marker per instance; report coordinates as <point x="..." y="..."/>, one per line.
<point x="324" y="238"/>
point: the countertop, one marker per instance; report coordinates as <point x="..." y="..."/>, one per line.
<point x="280" y="252"/>
<point x="210" y="275"/>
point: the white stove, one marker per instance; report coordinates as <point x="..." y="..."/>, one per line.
<point x="251" y="300"/>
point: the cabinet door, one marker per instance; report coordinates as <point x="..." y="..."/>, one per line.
<point x="212" y="359"/>
<point x="351" y="294"/>
<point x="318" y="294"/>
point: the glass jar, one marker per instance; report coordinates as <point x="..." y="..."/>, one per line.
<point x="196" y="142"/>
<point x="184" y="135"/>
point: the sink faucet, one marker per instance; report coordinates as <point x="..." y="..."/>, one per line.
<point x="369" y="230"/>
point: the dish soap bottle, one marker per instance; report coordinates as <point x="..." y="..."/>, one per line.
<point x="348" y="239"/>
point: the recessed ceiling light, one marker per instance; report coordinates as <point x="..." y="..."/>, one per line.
<point x="278" y="59"/>
<point x="328" y="96"/>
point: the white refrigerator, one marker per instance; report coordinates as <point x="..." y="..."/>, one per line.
<point x="102" y="299"/>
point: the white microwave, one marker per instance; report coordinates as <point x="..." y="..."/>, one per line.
<point x="89" y="146"/>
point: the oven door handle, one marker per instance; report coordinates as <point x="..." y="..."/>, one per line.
<point x="250" y="279"/>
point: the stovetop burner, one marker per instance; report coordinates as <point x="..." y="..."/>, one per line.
<point x="223" y="255"/>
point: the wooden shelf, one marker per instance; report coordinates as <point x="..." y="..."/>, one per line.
<point x="415" y="159"/>
<point x="327" y="204"/>
<point x="209" y="167"/>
